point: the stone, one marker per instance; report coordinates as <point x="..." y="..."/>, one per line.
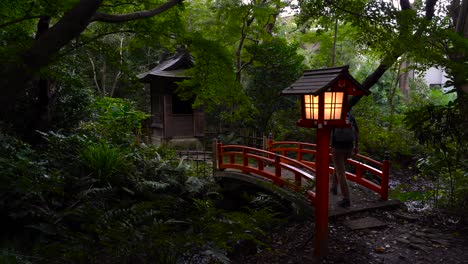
<point x="364" y="223"/>
<point x="417" y="240"/>
<point x="407" y="217"/>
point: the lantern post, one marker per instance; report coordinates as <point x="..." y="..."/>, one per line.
<point x="324" y="105"/>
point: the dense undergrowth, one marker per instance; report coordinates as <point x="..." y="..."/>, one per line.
<point x="98" y="195"/>
<point x="93" y="192"/>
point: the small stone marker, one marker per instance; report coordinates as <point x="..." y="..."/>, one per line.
<point x="363" y="223"/>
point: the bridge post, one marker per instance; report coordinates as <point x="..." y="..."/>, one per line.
<point x="385" y="176"/>
<point x="277" y="167"/>
<point x="299" y="152"/>
<point x="245" y="160"/>
<point x="322" y="158"/>
<point x="218" y="151"/>
<point x="215" y="155"/>
<point x="267" y="141"/>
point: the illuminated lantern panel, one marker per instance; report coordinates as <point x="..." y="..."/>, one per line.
<point x="333" y="105"/>
<point x="311" y="103"/>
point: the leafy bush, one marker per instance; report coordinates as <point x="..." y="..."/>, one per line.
<point x="96" y="196"/>
<point x="113" y="207"/>
<point x="71" y="105"/>
<point x="380" y="132"/>
<point x="103" y="161"/>
<point x="29" y="192"/>
<point x="442" y="130"/>
<point x="115" y="120"/>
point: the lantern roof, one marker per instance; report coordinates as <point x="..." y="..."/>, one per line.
<point x="319" y="80"/>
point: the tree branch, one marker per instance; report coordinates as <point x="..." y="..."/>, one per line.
<point x="119" y="4"/>
<point x="245" y="65"/>
<point x="246" y="22"/>
<point x="117" y="76"/>
<point x="385" y="64"/>
<point x="113" y="18"/>
<point x="93" y="67"/>
<point x="345" y="10"/>
<point x="63" y="53"/>
<point x="18" y="20"/>
<point x="67" y="28"/>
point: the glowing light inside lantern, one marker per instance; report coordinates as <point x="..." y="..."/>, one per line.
<point x="333" y="106"/>
<point x="311" y="106"/>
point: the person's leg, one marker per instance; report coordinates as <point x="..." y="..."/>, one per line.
<point x="339" y="161"/>
<point x="334" y="184"/>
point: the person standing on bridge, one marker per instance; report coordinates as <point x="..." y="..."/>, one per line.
<point x="344" y="145"/>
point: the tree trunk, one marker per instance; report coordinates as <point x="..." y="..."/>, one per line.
<point x="70" y="26"/>
<point x="20" y="99"/>
<point x="41" y="94"/>
<point x="460" y="76"/>
<point x="18" y="105"/>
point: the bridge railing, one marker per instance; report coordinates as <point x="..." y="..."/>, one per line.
<point x="281" y="170"/>
<point x="306" y="152"/>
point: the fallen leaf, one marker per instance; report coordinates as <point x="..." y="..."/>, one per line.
<point x="380" y="250"/>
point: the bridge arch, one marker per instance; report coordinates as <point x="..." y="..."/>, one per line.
<point x="238" y="182"/>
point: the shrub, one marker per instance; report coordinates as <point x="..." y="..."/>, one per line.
<point x="442" y="130"/>
<point x="114" y="120"/>
<point x="104" y="161"/>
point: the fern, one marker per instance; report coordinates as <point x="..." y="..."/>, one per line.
<point x="153" y="185"/>
<point x="98" y="192"/>
<point x="103" y="160"/>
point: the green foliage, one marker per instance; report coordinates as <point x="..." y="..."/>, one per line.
<point x="223" y="36"/>
<point x="30" y="193"/>
<point x="103" y="161"/>
<point x="72" y="105"/>
<point x="87" y="202"/>
<point x="161" y="209"/>
<point x="438" y="126"/>
<point x="10" y="257"/>
<point x="116" y="120"/>
<point x="231" y="227"/>
<point x="213" y="82"/>
<point x="442" y="130"/>
<point x="376" y="17"/>
<point x="406" y="196"/>
<point x="275" y="67"/>
<point x="380" y="132"/>
<point x="284" y="125"/>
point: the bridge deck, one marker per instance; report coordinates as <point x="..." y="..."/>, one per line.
<point x="362" y="199"/>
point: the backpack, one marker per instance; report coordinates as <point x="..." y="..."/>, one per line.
<point x="343" y="137"/>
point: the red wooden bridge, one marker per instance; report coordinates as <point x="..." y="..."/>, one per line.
<point x="292" y="165"/>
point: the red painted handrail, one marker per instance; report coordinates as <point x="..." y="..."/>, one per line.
<point x="361" y="164"/>
<point x="268" y="165"/>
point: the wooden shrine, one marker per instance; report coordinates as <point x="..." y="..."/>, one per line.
<point x="172" y="117"/>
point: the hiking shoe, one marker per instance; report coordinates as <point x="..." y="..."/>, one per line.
<point x="333" y="190"/>
<point x="344" y="203"/>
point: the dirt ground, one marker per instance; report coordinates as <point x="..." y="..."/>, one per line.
<point x="400" y="236"/>
<point x="405" y="238"/>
